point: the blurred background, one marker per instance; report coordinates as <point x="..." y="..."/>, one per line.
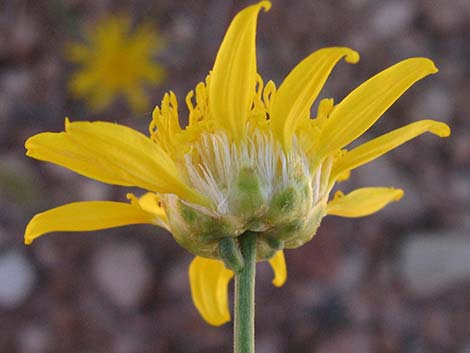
<point x="394" y="282"/>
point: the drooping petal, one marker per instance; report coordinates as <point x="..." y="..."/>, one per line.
<point x="209" y="280"/>
<point x="233" y="78"/>
<point x="113" y="154"/>
<point x="278" y="264"/>
<point x="383" y="144"/>
<point x="86" y="216"/>
<point x="150" y="202"/>
<point x="362" y="202"/>
<point x="364" y="105"/>
<point x="302" y="85"/>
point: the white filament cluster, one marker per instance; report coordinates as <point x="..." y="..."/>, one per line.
<point x="215" y="163"/>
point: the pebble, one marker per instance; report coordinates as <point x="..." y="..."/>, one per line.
<point x="350" y="270"/>
<point x="16" y="83"/>
<point x="433" y="262"/>
<point x="122" y="272"/>
<point x="392" y="17"/>
<point x="433" y="103"/>
<point x="91" y="190"/>
<point x="17" y="278"/>
<point x="34" y="338"/>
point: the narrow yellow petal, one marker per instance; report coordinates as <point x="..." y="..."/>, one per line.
<point x="233" y="78"/>
<point x="278" y="264"/>
<point x="86" y="216"/>
<point x="209" y="280"/>
<point x="362" y="202"/>
<point x="150" y="202"/>
<point x="383" y="144"/>
<point x="364" y="105"/>
<point x="113" y="154"/>
<point x="302" y="85"/>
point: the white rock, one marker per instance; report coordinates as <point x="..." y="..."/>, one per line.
<point x="349" y="271"/>
<point x="432" y="263"/>
<point x="392" y="17"/>
<point x="122" y="273"/>
<point x="16" y="83"/>
<point x="91" y="190"/>
<point x="17" y="278"/>
<point x="435" y="103"/>
<point x="34" y="338"/>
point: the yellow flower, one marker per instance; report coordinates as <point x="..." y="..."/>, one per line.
<point x="250" y="159"/>
<point x="116" y="61"/>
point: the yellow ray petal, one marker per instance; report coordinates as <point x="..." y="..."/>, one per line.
<point x="278" y="264"/>
<point x="233" y="78"/>
<point x="297" y="93"/>
<point x="383" y="144"/>
<point x="113" y="154"/>
<point x="209" y="289"/>
<point x="86" y="216"/>
<point x="150" y="202"/>
<point x="364" y="105"/>
<point x="362" y="202"/>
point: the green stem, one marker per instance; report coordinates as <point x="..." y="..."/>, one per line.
<point x="244" y="302"/>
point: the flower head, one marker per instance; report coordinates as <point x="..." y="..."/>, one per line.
<point x="250" y="159"/>
<point x="115" y="61"/>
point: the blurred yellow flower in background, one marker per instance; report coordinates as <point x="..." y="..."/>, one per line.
<point x="116" y="60"/>
<point x="251" y="158"/>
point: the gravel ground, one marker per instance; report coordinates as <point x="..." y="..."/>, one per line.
<point x="394" y="282"/>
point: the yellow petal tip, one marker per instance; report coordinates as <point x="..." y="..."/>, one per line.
<point x="266" y="5"/>
<point x="278" y="264"/>
<point x="440" y="129"/>
<point x="398" y="194"/>
<point x="28" y="235"/>
<point x="28" y="144"/>
<point x="434" y="68"/>
<point x="278" y="282"/>
<point x="219" y="322"/>
<point x="352" y="57"/>
<point x="428" y="64"/>
<point x="28" y="149"/>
